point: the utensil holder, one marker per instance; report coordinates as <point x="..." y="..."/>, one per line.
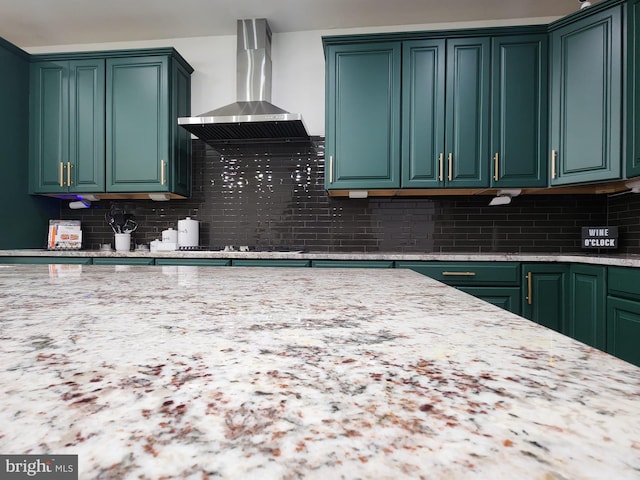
<point x="123" y="242"/>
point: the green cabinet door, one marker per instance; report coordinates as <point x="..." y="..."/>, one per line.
<point x="544" y="294"/>
<point x="633" y="90"/>
<point x="586" y="99"/>
<point x="363" y="116"/>
<point x="623" y="329"/>
<point x="587" y="301"/>
<point x="423" y="114"/>
<point x="137" y="124"/>
<point x="179" y="169"/>
<point x="507" y="298"/>
<point x="519" y="111"/>
<point x="467" y="112"/>
<point x="67" y="126"/>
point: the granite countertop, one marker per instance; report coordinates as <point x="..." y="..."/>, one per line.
<point x="275" y="373"/>
<point x="588" y="258"/>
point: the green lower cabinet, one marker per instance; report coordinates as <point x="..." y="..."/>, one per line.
<point x="545" y="288"/>
<point x="270" y="263"/>
<point x="507" y="298"/>
<point x="193" y="262"/>
<point x="587" y="301"/>
<point x="490" y="274"/>
<point x="47" y="260"/>
<point x="496" y="283"/>
<point x="122" y="261"/>
<point x="623" y="329"/>
<point x="351" y="264"/>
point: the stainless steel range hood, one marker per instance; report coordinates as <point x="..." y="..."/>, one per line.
<point x="253" y="117"/>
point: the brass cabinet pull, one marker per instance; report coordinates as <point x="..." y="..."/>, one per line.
<point x="441" y="163"/>
<point x="68" y="174"/>
<point x="450" y="177"/>
<point x="459" y="274"/>
<point x="554" y="154"/>
<point x="529" y="288"/>
<point x="61" y="174"/>
<point x="496" y="166"/>
<point x="330" y="168"/>
<point x="162" y="173"/>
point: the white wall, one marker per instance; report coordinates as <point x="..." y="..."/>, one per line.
<point x="298" y="65"/>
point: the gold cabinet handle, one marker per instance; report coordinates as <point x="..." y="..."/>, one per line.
<point x="529" y="288"/>
<point x="496" y="166"/>
<point x="459" y="274"/>
<point x="162" y="172"/>
<point x="441" y="163"/>
<point x="554" y="154"/>
<point x="450" y="177"/>
<point x="61" y="174"/>
<point x="330" y="168"/>
<point x="68" y="174"/>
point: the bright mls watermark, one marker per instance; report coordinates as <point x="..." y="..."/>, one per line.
<point x="50" y="467"/>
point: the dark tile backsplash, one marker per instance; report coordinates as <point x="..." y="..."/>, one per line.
<point x="273" y="196"/>
<point x="624" y="212"/>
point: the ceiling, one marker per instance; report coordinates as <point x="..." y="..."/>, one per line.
<point x="36" y="23"/>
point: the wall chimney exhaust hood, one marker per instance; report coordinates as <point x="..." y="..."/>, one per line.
<point x="253" y="118"/>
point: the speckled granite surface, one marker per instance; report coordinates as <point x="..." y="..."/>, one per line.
<point x="595" y="259"/>
<point x="205" y="372"/>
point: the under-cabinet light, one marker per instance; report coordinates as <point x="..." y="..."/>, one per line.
<point x="158" y="197"/>
<point x="358" y="193"/>
<point x="634" y="185"/>
<point x="82" y="203"/>
<point x="504" y="197"/>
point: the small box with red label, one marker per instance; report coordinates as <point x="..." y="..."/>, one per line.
<point x="64" y="235"/>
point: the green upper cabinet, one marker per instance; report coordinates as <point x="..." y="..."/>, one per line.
<point x="467" y="112"/>
<point x="587" y="98"/>
<point x="519" y="111"/>
<point x="362" y="148"/>
<point x="633" y="114"/>
<point x="146" y="151"/>
<point x="67" y="126"/>
<point x="106" y="122"/>
<point x="423" y="113"/>
<point x="445" y="113"/>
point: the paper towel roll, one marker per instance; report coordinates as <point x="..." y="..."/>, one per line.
<point x="188" y="232"/>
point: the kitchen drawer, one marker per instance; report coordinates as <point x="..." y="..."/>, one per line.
<point x="271" y="263"/>
<point x="468" y="273"/>
<point x="47" y="260"/>
<point x="624" y="282"/>
<point x="194" y="262"/>
<point x="122" y="261"/>
<point x="352" y="263"/>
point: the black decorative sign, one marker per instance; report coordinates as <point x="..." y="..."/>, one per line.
<point x="599" y="237"/>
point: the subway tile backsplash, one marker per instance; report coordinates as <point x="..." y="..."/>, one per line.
<point x="273" y="196"/>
